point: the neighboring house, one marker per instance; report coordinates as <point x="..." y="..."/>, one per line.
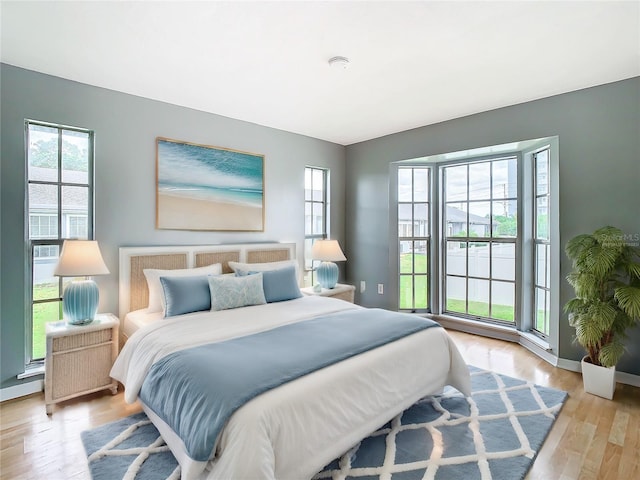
<point x="43" y="208"/>
<point x="43" y="216"/>
<point x="457" y="224"/>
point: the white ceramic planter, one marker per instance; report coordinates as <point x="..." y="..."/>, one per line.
<point x="598" y="380"/>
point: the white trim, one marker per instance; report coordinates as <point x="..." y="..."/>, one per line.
<point x="538" y="347"/>
<point x="477" y="328"/>
<point x="621" y="377"/>
<point x="628" y="378"/>
<point x="22" y="390"/>
<point x="531" y="342"/>
<point x="571" y="365"/>
<point x="31" y="372"/>
<point x="538" y="342"/>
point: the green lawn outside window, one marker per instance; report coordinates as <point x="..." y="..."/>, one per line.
<point x="480" y="309"/>
<point x="42" y="314"/>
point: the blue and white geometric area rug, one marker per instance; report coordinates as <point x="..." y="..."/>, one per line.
<point x="493" y="435"/>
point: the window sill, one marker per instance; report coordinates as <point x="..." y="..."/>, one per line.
<point x="31" y="371"/>
<point x="475" y="327"/>
<point x="535" y="340"/>
<point x="530" y="341"/>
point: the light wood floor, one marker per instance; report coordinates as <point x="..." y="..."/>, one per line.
<point x="593" y="438"/>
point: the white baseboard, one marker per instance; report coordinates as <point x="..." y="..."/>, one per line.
<point x="628" y="379"/>
<point x="21" y="390"/>
<point x="571" y="365"/>
<point x="621" y="377"/>
<point x="529" y="342"/>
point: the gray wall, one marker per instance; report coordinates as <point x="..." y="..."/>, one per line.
<point x="598" y="130"/>
<point x="125" y="128"/>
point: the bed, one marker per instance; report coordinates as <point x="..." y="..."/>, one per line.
<point x="290" y="429"/>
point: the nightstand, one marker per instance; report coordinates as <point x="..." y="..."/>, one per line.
<point x="79" y="358"/>
<point x="341" y="291"/>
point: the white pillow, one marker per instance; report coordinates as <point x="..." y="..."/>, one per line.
<point x="264" y="267"/>
<point x="156" y="293"/>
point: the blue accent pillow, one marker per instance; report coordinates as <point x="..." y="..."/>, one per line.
<point x="185" y="294"/>
<point x="233" y="292"/>
<point x="279" y="285"/>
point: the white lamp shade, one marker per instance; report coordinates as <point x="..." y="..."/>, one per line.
<point x="327" y="251"/>
<point x="80" y="258"/>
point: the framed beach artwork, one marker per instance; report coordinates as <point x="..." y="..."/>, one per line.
<point x="200" y="187"/>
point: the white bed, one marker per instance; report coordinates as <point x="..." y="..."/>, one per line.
<point x="291" y="431"/>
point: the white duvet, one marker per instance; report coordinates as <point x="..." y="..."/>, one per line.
<point x="292" y="431"/>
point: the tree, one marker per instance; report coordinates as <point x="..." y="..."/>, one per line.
<point x="44" y="153"/>
<point x="507" y="225"/>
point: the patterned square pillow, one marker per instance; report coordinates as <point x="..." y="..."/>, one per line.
<point x="233" y="292"/>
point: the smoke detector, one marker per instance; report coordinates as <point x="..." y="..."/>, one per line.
<point x="339" y="63"/>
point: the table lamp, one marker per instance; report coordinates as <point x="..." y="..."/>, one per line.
<point x="327" y="251"/>
<point x="80" y="258"/>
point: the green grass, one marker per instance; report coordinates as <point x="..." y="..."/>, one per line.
<point x="540" y="322"/>
<point x="406" y="292"/>
<point x="42" y="314"/>
<point x="417" y="263"/>
<point x="406" y="281"/>
<point x="481" y="309"/>
<point x="420" y="263"/>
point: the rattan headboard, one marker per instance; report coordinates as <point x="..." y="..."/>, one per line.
<point x="133" y="291"/>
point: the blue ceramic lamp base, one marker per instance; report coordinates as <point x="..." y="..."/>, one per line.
<point x="327" y="274"/>
<point x="80" y="302"/>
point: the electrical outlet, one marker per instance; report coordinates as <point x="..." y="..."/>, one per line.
<point x="380" y="289"/>
<point x="363" y="286"/>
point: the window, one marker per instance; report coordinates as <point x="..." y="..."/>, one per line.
<point x="413" y="237"/>
<point x="43" y="226"/>
<point x="315" y="214"/>
<point x="480" y="214"/>
<point x="477" y="237"/>
<point x="60" y="205"/>
<point x="542" y="244"/>
<point x="76" y="226"/>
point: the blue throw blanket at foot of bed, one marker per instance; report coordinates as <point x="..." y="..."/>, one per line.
<point x="205" y="385"/>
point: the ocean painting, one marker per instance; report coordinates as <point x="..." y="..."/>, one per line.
<point x="201" y="187"/>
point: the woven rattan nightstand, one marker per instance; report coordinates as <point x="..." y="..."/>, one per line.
<point x="341" y="291"/>
<point x="79" y="359"/>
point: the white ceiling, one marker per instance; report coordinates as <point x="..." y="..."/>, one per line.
<point x="412" y="63"/>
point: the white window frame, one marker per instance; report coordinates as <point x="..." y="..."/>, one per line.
<point x="320" y="233"/>
<point x="523" y="331"/>
<point x="403" y="237"/>
<point x="491" y="240"/>
<point x="539" y="241"/>
<point x="58" y="239"/>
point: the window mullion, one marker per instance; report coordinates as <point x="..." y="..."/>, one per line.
<point x="60" y="184"/>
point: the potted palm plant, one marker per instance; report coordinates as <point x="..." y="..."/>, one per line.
<point x="606" y="280"/>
